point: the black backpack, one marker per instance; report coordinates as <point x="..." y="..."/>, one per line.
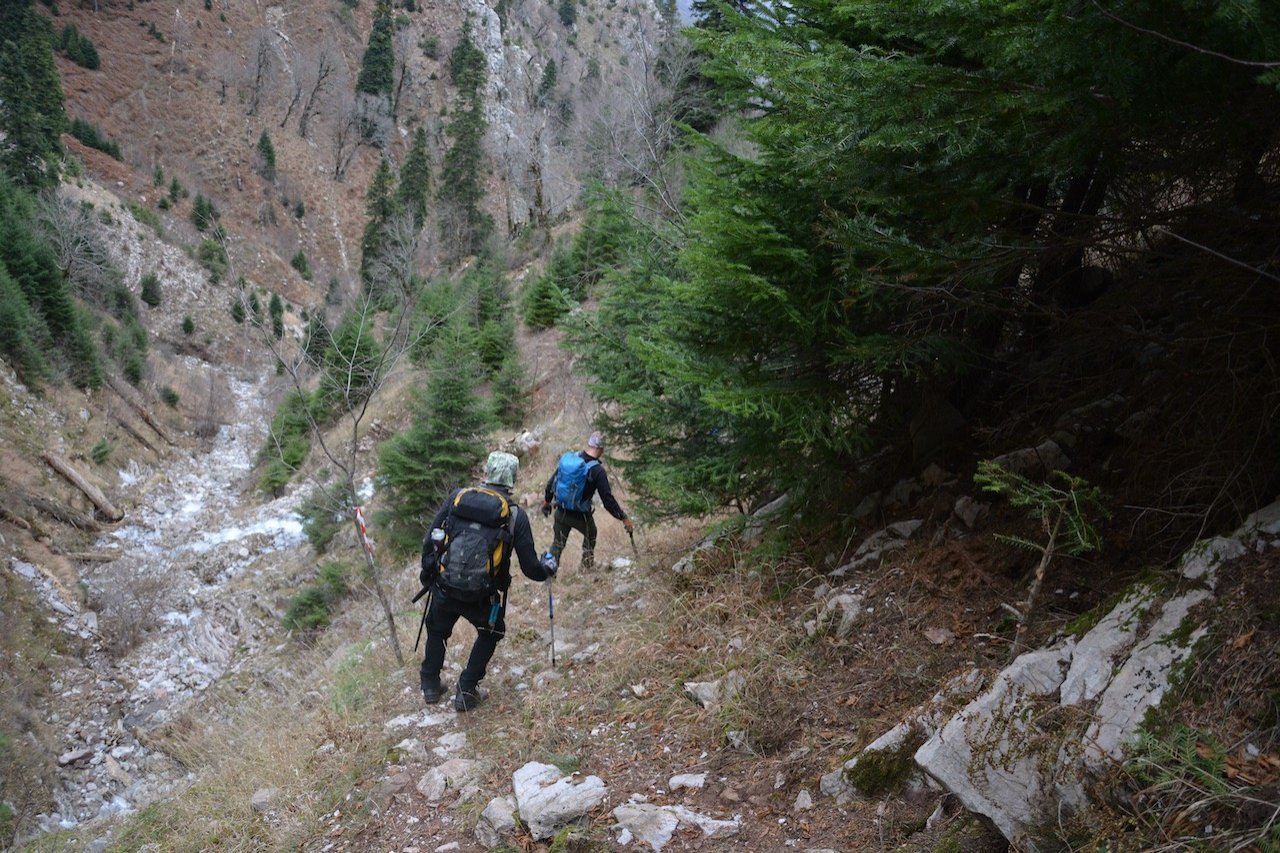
<point x="478" y="534"/>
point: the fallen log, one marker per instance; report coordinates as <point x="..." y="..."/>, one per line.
<point x="92" y="492"/>
<point x="61" y="513"/>
<point x="125" y="394"/>
<point x="92" y="556"/>
<point x="13" y="518"/>
<point x="136" y="433"/>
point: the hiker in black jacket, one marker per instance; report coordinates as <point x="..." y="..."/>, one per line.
<point x="487" y="615"/>
<point x="573" y="504"/>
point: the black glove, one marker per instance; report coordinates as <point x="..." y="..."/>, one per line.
<point x="546" y="509"/>
<point x="549" y="565"/>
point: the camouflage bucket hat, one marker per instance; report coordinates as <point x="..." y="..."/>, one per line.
<point x="501" y="469"/>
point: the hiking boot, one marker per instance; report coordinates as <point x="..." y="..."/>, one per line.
<point x="467" y="700"/>
<point x="433" y="692"/>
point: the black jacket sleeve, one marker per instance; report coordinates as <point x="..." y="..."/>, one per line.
<point x="549" y="493"/>
<point x="598" y="479"/>
<point x="522" y="545"/>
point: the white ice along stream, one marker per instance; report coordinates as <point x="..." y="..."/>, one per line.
<point x="195" y="528"/>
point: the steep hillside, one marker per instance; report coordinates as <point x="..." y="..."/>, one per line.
<point x="187" y="90"/>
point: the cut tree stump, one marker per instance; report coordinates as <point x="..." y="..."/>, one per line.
<point x="92" y="492"/>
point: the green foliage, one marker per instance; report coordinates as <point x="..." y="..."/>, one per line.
<point x="169" y="397"/>
<point x="377" y="66"/>
<point x="462" y="173"/>
<point x="543" y="300"/>
<point x="146" y="216"/>
<point x="324" y="512"/>
<point x="151" y="289"/>
<point x="31" y="104"/>
<point x="78" y="48"/>
<point x="881" y="772"/>
<point x="568" y="10"/>
<point x="237" y="310"/>
<point x="176" y="191"/>
<point x="430" y="46"/>
<point x="204" y="214"/>
<point x="275" y="310"/>
<point x="93" y="138"/>
<point x="299" y="209"/>
<point x="380" y="206"/>
<point x="312" y="608"/>
<point x="127" y="345"/>
<point x="266" y="156"/>
<point x="443" y="445"/>
<point x="188" y="326"/>
<point x="46" y="325"/>
<point x="352" y="366"/>
<point x="1067" y="510"/>
<point x="101" y="451"/>
<point x="299" y="263"/>
<point x="288" y="442"/>
<point x="510" y="393"/>
<point x="547" y="86"/>
<point x="415" y="179"/>
<point x="213" y="257"/>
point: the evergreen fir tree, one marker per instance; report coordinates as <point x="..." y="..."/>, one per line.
<point x="415" y="179"/>
<point x="31" y="106"/>
<point x="380" y="206"/>
<point x="377" y="67"/>
<point x="266" y="157"/>
<point x="443" y="445"/>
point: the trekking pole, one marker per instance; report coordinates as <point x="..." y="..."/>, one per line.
<point x="632" y="536"/>
<point x="423" y="623"/>
<point x="551" y="613"/>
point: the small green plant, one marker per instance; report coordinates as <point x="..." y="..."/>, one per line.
<point x="101" y="451"/>
<point x="299" y="263"/>
<point x="188" y="325"/>
<point x="1063" y="513"/>
<point x="430" y="46"/>
<point x="266" y="157"/>
<point x="169" y="397"/>
<point x="214" y="258"/>
<point x="204" y="215"/>
<point x="299" y="209"/>
<point x="324" y="513"/>
<point x="151" y="289"/>
<point x="146" y="216"/>
<point x="237" y="311"/>
<point x="312" y="608"/>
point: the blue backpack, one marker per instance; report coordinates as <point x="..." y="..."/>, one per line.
<point x="571" y="481"/>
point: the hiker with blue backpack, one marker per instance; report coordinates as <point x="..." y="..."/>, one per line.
<point x="466" y="570"/>
<point x="577" y="479"/>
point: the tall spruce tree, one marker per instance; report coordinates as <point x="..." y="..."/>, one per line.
<point x="415" y="179"/>
<point x="377" y="66"/>
<point x="379" y="206"/>
<point x="924" y="181"/>
<point x="443" y="445"/>
<point x="461" y="175"/>
<point x="31" y="107"/>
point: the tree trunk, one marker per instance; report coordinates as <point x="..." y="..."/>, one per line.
<point x="378" y="589"/>
<point x="140" y="410"/>
<point x="91" y="491"/>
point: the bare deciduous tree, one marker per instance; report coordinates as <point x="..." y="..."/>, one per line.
<point x="354" y="371"/>
<point x="82" y="254"/>
<point x="344" y="132"/>
<point x="324" y="73"/>
<point x="260" y="70"/>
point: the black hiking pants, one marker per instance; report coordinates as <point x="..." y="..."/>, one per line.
<point x="442" y="615"/>
<point x="584" y="523"/>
